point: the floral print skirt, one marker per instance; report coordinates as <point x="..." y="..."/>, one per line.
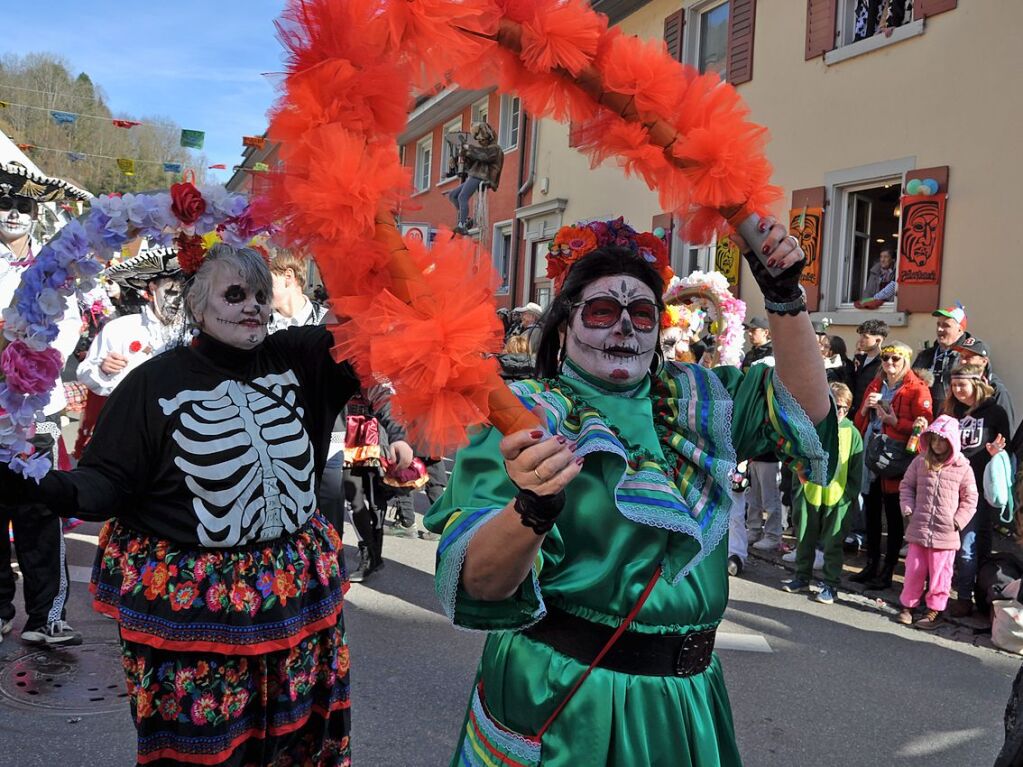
<point x="233" y="656"/>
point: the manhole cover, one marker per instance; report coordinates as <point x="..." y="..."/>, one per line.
<point x="82" y="680"/>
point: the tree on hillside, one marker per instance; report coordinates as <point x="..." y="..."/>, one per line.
<point x="44" y="82"/>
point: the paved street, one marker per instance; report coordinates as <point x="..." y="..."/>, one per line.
<point x="810" y="685"/>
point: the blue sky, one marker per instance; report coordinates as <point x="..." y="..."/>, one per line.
<point x="200" y="63"/>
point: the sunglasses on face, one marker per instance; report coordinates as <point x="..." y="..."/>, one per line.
<point x="604" y="312"/>
<point x="236" y="294"/>
<point x="26" y="207"/>
<point x="890" y="357"/>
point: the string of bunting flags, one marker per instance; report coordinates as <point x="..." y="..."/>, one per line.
<point x="190" y="139"/>
<point x="127" y="164"/>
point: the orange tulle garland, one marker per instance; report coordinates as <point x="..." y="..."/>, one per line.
<point x="424" y="319"/>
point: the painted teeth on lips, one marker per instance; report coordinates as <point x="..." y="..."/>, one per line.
<point x="621" y="351"/>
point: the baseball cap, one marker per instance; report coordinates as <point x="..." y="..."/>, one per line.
<point x="757" y="322"/>
<point x="957" y="313"/>
<point x="533" y="307"/>
<point x="971" y="345"/>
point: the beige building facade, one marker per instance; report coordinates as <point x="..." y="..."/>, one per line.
<point x="856" y="107"/>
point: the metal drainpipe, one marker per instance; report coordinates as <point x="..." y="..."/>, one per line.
<point x="523" y="188"/>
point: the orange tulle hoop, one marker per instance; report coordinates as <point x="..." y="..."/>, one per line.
<point x="424" y="320"/>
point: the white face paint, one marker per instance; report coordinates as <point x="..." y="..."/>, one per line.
<point x="166" y="295"/>
<point x="16" y="224"/>
<point x="619" y="354"/>
<point x="236" y="314"/>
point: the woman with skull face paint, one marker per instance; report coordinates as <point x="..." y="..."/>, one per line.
<point x="224" y="578"/>
<point x="614" y="511"/>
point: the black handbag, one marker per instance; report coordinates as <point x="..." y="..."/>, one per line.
<point x="887" y="457"/>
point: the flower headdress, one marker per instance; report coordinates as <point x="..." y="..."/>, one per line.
<point x="573" y="242"/>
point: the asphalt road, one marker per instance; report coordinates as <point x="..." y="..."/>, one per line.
<point x="810" y="684"/>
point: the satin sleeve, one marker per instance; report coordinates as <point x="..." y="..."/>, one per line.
<point x="766" y="417"/>
<point x="478" y="489"/>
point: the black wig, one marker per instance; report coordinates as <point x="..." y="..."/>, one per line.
<point x="602" y="262"/>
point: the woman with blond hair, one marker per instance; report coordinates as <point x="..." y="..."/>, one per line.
<point x="982" y="422"/>
<point x="893" y="403"/>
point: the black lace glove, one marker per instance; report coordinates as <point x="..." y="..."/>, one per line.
<point x="782" y="292"/>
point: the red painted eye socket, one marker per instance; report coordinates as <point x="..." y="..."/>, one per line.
<point x="603" y="312"/>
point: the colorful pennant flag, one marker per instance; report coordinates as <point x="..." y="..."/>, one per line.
<point x="218" y="166"/>
<point x="254" y="141"/>
<point x="172" y="167"/>
<point x="125" y="123"/>
<point x="75" y="156"/>
<point x="64" y="118"/>
<point x="127" y="166"/>
<point x="192" y="139"/>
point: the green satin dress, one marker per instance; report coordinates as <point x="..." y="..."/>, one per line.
<point x="654" y="490"/>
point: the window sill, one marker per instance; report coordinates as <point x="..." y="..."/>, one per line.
<point x="860" y="47"/>
<point x="854" y="317"/>
<point x="446" y="182"/>
<point x="420" y="192"/>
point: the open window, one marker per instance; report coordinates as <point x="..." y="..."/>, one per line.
<point x="860" y="19"/>
<point x="453" y="126"/>
<point x="869" y="223"/>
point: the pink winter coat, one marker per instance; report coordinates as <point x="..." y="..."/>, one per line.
<point x="939" y="502"/>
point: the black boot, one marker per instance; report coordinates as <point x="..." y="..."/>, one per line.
<point x="358" y="575"/>
<point x="883" y="580"/>
<point x="868" y="573"/>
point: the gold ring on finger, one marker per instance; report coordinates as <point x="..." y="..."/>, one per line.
<point x="542" y="480"/>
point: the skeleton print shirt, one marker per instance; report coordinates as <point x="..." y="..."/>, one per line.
<point x="213" y="446"/>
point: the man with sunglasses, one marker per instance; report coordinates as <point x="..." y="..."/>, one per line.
<point x="39" y="542"/>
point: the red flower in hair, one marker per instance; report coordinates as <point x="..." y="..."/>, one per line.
<point x="187" y="203"/>
<point x="135" y="347"/>
<point x="191" y="252"/>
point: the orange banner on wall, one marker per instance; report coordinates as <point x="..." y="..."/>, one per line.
<point x="806" y="225"/>
<point x="921" y="240"/>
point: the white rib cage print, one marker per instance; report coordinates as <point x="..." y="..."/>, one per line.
<point x="247" y="459"/>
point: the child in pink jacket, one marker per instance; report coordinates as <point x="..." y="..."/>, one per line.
<point x="939" y="495"/>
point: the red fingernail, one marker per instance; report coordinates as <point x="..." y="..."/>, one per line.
<point x="770" y="262"/>
<point x="579" y="460"/>
<point x="766" y="249"/>
<point x="762" y="226"/>
<point x="561" y="440"/>
<point x="536" y="434"/>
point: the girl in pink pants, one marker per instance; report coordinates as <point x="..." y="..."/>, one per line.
<point x="939" y="496"/>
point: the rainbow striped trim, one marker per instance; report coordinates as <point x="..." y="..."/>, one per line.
<point x="488" y="744"/>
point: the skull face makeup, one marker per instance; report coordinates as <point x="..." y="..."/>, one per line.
<point x="236" y="313"/>
<point x="17" y="215"/>
<point x="616" y="350"/>
<point x="166" y="294"/>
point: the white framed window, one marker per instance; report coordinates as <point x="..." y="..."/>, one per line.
<point x="859" y="19"/>
<point x="541" y="288"/>
<point x="481" y="111"/>
<point x="424" y="159"/>
<point x="501" y="253"/>
<point x="695" y="258"/>
<point x="511" y="111"/>
<point x="707" y="36"/>
<point x="453" y="126"/>
<point x="863" y="220"/>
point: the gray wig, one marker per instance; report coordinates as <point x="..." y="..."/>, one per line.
<point x="250" y="266"/>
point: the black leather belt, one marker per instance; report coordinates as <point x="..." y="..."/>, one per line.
<point x="643" y="654"/>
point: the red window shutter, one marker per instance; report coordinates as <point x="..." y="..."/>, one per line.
<point x="741" y="17"/>
<point x="673" y="26"/>
<point x="820" y="27"/>
<point x="924" y="8"/>
<point x="923" y="297"/>
<point x="806" y="223"/>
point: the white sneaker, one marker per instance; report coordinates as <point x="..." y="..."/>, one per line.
<point x="767" y="543"/>
<point x="5" y="628"/>
<point x="53" y="633"/>
<point x="790" y="557"/>
<point x="818" y="560"/>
